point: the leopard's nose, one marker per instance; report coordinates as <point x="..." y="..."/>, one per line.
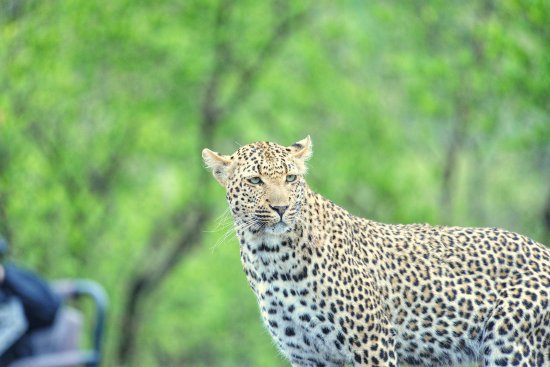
<point x="279" y="209"/>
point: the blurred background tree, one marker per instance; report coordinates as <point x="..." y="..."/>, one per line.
<point x="419" y="112"/>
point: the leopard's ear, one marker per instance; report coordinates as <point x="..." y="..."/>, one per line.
<point x="219" y="164"/>
<point x="302" y="149"/>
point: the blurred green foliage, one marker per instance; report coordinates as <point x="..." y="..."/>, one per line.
<point x="419" y="112"/>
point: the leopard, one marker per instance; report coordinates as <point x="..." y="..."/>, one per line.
<point x="334" y="289"/>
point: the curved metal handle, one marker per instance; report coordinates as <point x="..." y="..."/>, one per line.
<point x="76" y="288"/>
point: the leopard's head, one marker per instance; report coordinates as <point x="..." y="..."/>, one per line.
<point x="265" y="184"/>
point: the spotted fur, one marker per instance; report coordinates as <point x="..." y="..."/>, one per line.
<point x="335" y="289"/>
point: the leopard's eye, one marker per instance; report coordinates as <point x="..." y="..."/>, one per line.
<point x="255" y="180"/>
<point x="290" y="178"/>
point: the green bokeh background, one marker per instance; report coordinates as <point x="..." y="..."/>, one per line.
<point x="419" y="112"/>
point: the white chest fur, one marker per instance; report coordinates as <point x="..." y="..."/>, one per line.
<point x="289" y="293"/>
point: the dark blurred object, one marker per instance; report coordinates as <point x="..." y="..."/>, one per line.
<point x="59" y="345"/>
<point x="40" y="329"/>
<point x="30" y="303"/>
<point x="39" y="301"/>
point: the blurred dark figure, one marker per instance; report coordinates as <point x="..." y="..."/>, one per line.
<point x="27" y="304"/>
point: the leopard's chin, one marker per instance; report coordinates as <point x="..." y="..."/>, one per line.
<point x="277" y="228"/>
